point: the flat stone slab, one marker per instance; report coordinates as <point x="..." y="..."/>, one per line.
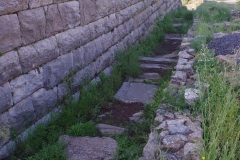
<point x="136" y="92"/>
<point x="150" y="76"/>
<point x="109" y="129"/>
<point x="87" y="148"/>
<point x="171" y="55"/>
<point x="155" y="60"/>
<point x="155" y="67"/>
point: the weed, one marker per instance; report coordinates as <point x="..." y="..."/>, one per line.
<point x="83" y="129"/>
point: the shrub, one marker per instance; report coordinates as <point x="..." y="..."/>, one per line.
<point x="83" y="129"/>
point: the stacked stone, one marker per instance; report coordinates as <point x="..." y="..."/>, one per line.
<point x="43" y="42"/>
<point x="178" y="136"/>
<point x="175" y="137"/>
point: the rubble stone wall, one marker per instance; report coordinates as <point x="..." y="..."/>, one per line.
<point x="44" y="41"/>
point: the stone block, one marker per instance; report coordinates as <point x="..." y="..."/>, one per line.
<point x="103" y="61"/>
<point x="88" y="11"/>
<point x="21" y="115"/>
<point x="9" y="66"/>
<point x="44" y="101"/>
<point x="90" y="52"/>
<point x="86" y="73"/>
<point x="54" y="22"/>
<point x="6" y="100"/>
<point x="39" y="3"/>
<point x="99" y="27"/>
<point x="26" y="84"/>
<point x="78" y="59"/>
<point x="62" y="90"/>
<point x="70" y="14"/>
<point x="35" y="55"/>
<point x="55" y="71"/>
<point x="33" y="24"/>
<point x="103" y="7"/>
<point x="69" y="40"/>
<point x="10" y="35"/>
<point x="10" y="6"/>
<point x="111" y="22"/>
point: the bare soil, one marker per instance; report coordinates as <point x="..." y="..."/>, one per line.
<point x="168" y="46"/>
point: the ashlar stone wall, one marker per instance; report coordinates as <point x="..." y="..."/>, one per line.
<point x="44" y="41"/>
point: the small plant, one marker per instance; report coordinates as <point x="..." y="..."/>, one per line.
<point x="83" y="129"/>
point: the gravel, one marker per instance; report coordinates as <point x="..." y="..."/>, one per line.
<point x="229" y="44"/>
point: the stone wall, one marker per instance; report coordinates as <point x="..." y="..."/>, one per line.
<point x="44" y="41"/>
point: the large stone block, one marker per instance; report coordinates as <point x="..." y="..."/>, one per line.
<point x="103" y="7"/>
<point x="10" y="35"/>
<point x="99" y="27"/>
<point x="78" y="59"/>
<point x="26" y="84"/>
<point x="10" y="6"/>
<point x="54" y="22"/>
<point x="21" y="115"/>
<point x="111" y="22"/>
<point x="6" y="100"/>
<point x="33" y="24"/>
<point x="90" y="52"/>
<point x="70" y="14"/>
<point x="39" y="3"/>
<point x="88" y="11"/>
<point x="103" y="62"/>
<point x="86" y="73"/>
<point x="9" y="66"/>
<point x="55" y="71"/>
<point x="35" y="55"/>
<point x="71" y="39"/>
<point x="44" y="101"/>
<point x="62" y="90"/>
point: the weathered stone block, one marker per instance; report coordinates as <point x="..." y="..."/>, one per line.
<point x="39" y="3"/>
<point x="10" y="6"/>
<point x="103" y="7"/>
<point x="6" y="100"/>
<point x="54" y="22"/>
<point x="111" y="22"/>
<point x="59" y="1"/>
<point x="103" y="61"/>
<point x="26" y="84"/>
<point x="88" y="11"/>
<point x="9" y="66"/>
<point x="33" y="56"/>
<point x="70" y="39"/>
<point x="70" y="14"/>
<point x="10" y="35"/>
<point x="78" y="59"/>
<point x="33" y="24"/>
<point x="21" y="115"/>
<point x="99" y="27"/>
<point x="62" y="90"/>
<point x="90" y="52"/>
<point x="86" y="73"/>
<point x="44" y="101"/>
<point x="56" y="70"/>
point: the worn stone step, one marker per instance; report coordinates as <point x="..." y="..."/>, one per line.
<point x="109" y="129"/>
<point x="171" y="55"/>
<point x="89" y="148"/>
<point x="176" y="25"/>
<point x="173" y="36"/>
<point x="155" y="67"/>
<point x="155" y="60"/>
<point x="136" y="92"/>
<point x="150" y="75"/>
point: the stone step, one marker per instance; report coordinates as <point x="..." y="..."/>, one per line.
<point x="176" y="25"/>
<point x="89" y="148"/>
<point x="171" y="55"/>
<point x="110" y="130"/>
<point x="173" y="36"/>
<point x="136" y="92"/>
<point x="155" y="67"/>
<point x="154" y="60"/>
<point x="150" y="76"/>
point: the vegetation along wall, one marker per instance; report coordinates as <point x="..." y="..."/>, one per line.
<point x="44" y="41"/>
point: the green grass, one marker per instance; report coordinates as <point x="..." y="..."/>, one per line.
<point x="77" y="117"/>
<point x="220" y="110"/>
<point x="220" y="106"/>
